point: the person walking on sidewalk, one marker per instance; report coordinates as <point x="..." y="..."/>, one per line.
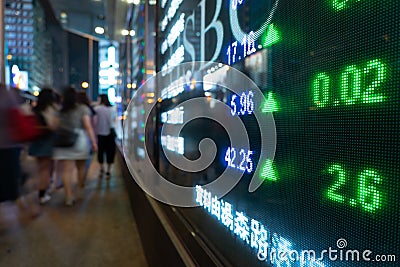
<point x="42" y="149"/>
<point x="10" y="163"/>
<point x="105" y="130"/>
<point x="84" y="100"/>
<point x="75" y="116"/>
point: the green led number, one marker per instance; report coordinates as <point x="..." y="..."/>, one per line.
<point x="379" y="69"/>
<point x="369" y="196"/>
<point x="351" y="85"/>
<point x="341" y="180"/>
<point x="321" y="87"/>
<point x="341" y="4"/>
<point x="357" y="85"/>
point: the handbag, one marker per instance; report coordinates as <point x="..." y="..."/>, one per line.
<point x="24" y="127"/>
<point x="64" y="137"/>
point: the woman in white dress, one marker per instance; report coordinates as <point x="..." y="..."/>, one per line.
<point x="75" y="116"/>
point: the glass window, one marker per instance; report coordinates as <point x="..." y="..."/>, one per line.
<point x="28" y="29"/>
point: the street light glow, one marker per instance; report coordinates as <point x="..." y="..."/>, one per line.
<point x="99" y="30"/>
<point x="85" y="85"/>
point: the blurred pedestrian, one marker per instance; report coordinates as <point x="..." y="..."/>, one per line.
<point x="75" y="116"/>
<point x="55" y="181"/>
<point x="83" y="99"/>
<point x="42" y="148"/>
<point x="105" y="130"/>
<point x="10" y="165"/>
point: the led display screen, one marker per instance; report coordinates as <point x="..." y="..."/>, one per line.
<point x="329" y="74"/>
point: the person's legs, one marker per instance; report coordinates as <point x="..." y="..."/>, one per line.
<point x="56" y="180"/>
<point x="81" y="166"/>
<point x="10" y="172"/>
<point x="67" y="168"/>
<point x="100" y="151"/>
<point x="44" y="172"/>
<point x="27" y="209"/>
<point x="110" y="153"/>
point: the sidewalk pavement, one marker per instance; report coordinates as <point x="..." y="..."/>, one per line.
<point x="98" y="230"/>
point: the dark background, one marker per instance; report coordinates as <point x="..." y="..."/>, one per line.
<point x="315" y="38"/>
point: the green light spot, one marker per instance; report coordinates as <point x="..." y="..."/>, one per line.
<point x="351" y="85"/>
<point x="341" y="180"/>
<point x="341" y="4"/>
<point x="369" y="195"/>
<point x="379" y="70"/>
<point x="270" y="104"/>
<point x="143" y="111"/>
<point x="271" y="36"/>
<point x="353" y="202"/>
<point x="142" y="138"/>
<point x="269" y="172"/>
<point x="321" y="89"/>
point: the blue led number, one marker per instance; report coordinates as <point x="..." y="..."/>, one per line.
<point x="245" y="162"/>
<point x="230" y="156"/>
<point x="248" y="44"/>
<point x="250" y="103"/>
<point x="242" y="154"/>
<point x="249" y="162"/>
<point x="236" y="3"/>
<point x="231" y="53"/>
<point x="233" y="105"/>
<point x="245" y="105"/>
<point x="240" y="50"/>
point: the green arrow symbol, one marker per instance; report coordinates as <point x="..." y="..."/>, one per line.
<point x="269" y="172"/>
<point x="270" y="104"/>
<point x="271" y="36"/>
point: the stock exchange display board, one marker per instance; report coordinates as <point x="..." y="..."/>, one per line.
<point x="329" y="73"/>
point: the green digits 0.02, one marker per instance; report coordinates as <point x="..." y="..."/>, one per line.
<point x="357" y="86"/>
<point x="342" y="4"/>
<point x="369" y="195"/>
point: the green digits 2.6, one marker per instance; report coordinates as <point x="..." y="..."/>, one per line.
<point x="369" y="195"/>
